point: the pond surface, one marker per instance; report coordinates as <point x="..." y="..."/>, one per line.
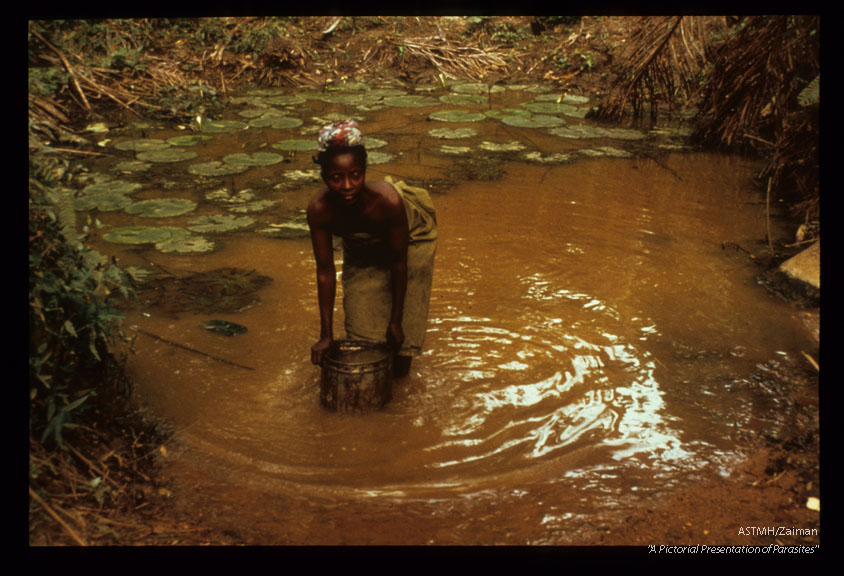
<point x="590" y="337"/>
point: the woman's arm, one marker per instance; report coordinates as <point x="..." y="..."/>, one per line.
<point x="398" y="241"/>
<point x="326" y="276"/>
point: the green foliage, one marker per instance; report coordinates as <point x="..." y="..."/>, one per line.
<point x="46" y="81"/>
<point x="72" y="323"/>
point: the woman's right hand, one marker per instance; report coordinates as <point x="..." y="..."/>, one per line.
<point x="320" y="349"/>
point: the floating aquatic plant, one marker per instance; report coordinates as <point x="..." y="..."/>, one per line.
<point x="296" y="227"/>
<point x="452" y="133"/>
<point x="142" y="145"/>
<point x="532" y="121"/>
<point x="188" y="245"/>
<point x="411" y="101"/>
<point x="296" y="145"/>
<point x="455" y="149"/>
<point x="378" y="157"/>
<point x="586" y="131"/>
<point x="476" y="88"/>
<point x="219" y="223"/>
<point x="303" y="175"/>
<point x="505" y="112"/>
<point x="224" y="196"/>
<point x="463" y="99"/>
<point x="285" y="100"/>
<point x="132" y="166"/>
<point x="374" y="143"/>
<point x="456" y="116"/>
<point x="605" y="151"/>
<point x="161" y="207"/>
<point x="276" y="122"/>
<point x="112" y="187"/>
<point x="216" y="168"/>
<point x="167" y="155"/>
<point x="554" y="158"/>
<point x="255" y="159"/>
<point x="222" y="126"/>
<point x="505" y="147"/>
<point x="555" y="108"/>
<point x="103" y="201"/>
<point x="256" y="206"/>
<point x="144" y="234"/>
<point x="189" y="139"/>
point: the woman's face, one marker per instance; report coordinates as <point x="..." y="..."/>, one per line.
<point x="345" y="175"/>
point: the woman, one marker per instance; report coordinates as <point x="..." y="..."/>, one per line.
<point x="389" y="233"/>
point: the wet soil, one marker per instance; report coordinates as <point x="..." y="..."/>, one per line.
<point x="770" y="490"/>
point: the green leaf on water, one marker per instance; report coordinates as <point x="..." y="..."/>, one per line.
<point x="161" y="207"/>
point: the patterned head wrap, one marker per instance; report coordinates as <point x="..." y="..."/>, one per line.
<point x="340" y="134"/>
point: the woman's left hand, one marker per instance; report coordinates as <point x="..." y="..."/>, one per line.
<point x="395" y="336"/>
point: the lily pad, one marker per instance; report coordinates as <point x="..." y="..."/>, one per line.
<point x="554" y="158"/>
<point x="104" y="202"/>
<point x="456" y="116"/>
<point x="277" y="122"/>
<point x="285" y="100"/>
<point x="256" y="206"/>
<point x="161" y="207"/>
<point x="216" y="168"/>
<point x="111" y="187"/>
<point x="410" y="101"/>
<point x="349" y="86"/>
<point x="140" y="274"/>
<point x="463" y="99"/>
<point x="374" y="143"/>
<point x="225" y="196"/>
<point x="378" y="157"/>
<point x="188" y="245"/>
<point x="299" y="145"/>
<point x="452" y="133"/>
<point x="256" y="159"/>
<point x="503" y="147"/>
<point x="532" y="121"/>
<point x="606" y="151"/>
<point x="142" y="145"/>
<point x="132" y="166"/>
<point x="219" y="126"/>
<point x="476" y="88"/>
<point x="223" y="327"/>
<point x="259" y="112"/>
<point x="549" y="107"/>
<point x="296" y="227"/>
<point x="586" y="131"/>
<point x="505" y="112"/>
<point x="303" y="175"/>
<point x="189" y="140"/>
<point x="455" y="149"/>
<point x="167" y="155"/>
<point x="219" y="223"/>
<point x="144" y="234"/>
<point x="345" y="98"/>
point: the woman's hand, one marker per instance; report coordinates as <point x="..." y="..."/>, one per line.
<point x="320" y="349"/>
<point x="395" y="336"/>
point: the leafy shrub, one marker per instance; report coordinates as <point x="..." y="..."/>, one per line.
<point x="72" y="323"/>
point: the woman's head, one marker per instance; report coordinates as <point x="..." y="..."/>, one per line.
<point x="342" y="159"/>
<point x="340" y="138"/>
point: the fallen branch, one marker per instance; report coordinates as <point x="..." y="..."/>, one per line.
<point x="194" y="350"/>
<point x="57" y="518"/>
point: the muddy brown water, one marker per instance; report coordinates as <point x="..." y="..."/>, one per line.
<point x="588" y="346"/>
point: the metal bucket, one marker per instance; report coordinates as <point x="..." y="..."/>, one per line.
<point x="356" y="376"/>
